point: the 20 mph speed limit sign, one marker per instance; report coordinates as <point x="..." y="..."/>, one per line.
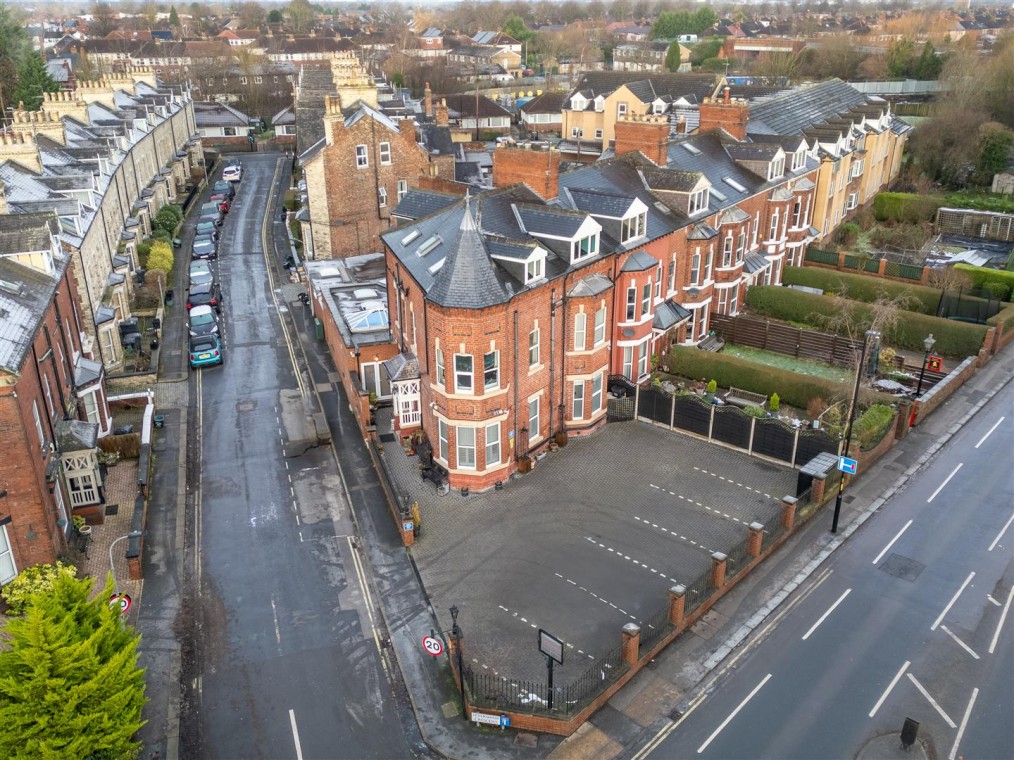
<point x="432" y="645"/>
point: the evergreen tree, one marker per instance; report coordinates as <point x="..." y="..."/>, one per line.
<point x="15" y="49"/>
<point x="69" y="681"/>
<point x="33" y="80"/>
<point x="174" y="17"/>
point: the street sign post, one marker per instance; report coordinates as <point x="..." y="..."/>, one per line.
<point x="847" y="465"/>
<point x="433" y="645"/>
<point x="121" y="601"/>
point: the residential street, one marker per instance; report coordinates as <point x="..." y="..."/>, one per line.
<point x="910" y="618"/>
<point x="288" y="663"/>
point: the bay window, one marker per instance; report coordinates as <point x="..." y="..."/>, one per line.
<point x="492" y="444"/>
<point x="465" y="439"/>
<point x="463" y="381"/>
<point x="491" y="370"/>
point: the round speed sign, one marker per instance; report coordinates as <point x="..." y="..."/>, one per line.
<point x="433" y="645"/>
<point x="120" y="600"/>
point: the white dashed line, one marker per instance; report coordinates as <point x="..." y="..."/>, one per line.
<point x="672" y="533"/>
<point x="636" y="562"/>
<point x="533" y="625"/>
<point x="689" y="500"/>
<point x="572" y="583"/>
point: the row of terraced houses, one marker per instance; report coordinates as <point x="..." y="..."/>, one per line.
<point x="509" y="311"/>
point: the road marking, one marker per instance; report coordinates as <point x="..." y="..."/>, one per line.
<point x="993" y="601"/>
<point x="734" y="713"/>
<point x="198" y="491"/>
<point x="989" y="432"/>
<point x="932" y="701"/>
<point x="948" y="480"/>
<point x="274" y="614"/>
<point x="1003" y="530"/>
<point x="689" y="500"/>
<point x="953" y="600"/>
<point x="824" y="616"/>
<point x="295" y="734"/>
<point x="620" y="554"/>
<point x="1003" y="618"/>
<point x="673" y="533"/>
<point x="959" y="642"/>
<point x="964" y="722"/>
<point x="733" y="482"/>
<point x="891" y="543"/>
<point x="533" y="625"/>
<point x="894" y="682"/>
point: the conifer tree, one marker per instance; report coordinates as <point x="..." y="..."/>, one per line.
<point x="33" y="80"/>
<point x="70" y="686"/>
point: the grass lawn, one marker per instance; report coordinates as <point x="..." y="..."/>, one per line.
<point x="790" y="363"/>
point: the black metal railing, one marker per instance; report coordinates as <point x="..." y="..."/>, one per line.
<point x="654" y="628"/>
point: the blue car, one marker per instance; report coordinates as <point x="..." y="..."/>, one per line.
<point x="205" y="350"/>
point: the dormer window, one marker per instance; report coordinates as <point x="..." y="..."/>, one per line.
<point x="578" y="102"/>
<point x="535" y="269"/>
<point x="658" y="107"/>
<point x="698" y="201"/>
<point x="776" y="168"/>
<point x="600" y="104"/>
<point x="633" y="227"/>
<point x="799" y="159"/>
<point x="585" y="247"/>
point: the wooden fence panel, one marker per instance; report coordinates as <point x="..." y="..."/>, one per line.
<point x="782" y="339"/>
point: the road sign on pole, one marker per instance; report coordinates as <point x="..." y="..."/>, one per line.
<point x="433" y="645"/>
<point x="121" y="601"/>
<point x="848" y="466"/>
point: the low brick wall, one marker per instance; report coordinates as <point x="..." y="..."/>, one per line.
<point x="940" y="392"/>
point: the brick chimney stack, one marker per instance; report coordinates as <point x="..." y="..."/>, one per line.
<point x="406" y="127"/>
<point x="428" y="101"/>
<point x="441" y="116"/>
<point x="728" y="113"/>
<point x="648" y="134"/>
<point x="539" y="169"/>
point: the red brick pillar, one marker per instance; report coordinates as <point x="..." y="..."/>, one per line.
<point x="901" y="424"/>
<point x="817" y="488"/>
<point x="718" y="562"/>
<point x="631" y="643"/>
<point x="134" y="568"/>
<point x="677" y="605"/>
<point x="789" y="510"/>
<point x="755" y="539"/>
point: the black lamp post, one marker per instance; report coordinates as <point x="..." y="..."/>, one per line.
<point x="456" y="635"/>
<point x="869" y="340"/>
<point x="928" y="344"/>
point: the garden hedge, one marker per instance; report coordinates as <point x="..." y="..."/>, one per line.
<point x="906" y="207"/>
<point x="1005" y="318"/>
<point x="733" y="372"/>
<point x="955" y="339"/>
<point x="864" y="288"/>
<point x="982" y="277"/>
<point x="872" y="424"/>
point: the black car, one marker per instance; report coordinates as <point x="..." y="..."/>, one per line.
<point x="204" y="248"/>
<point x="225" y="188"/>
<point x="207" y="228"/>
<point x="205" y="294"/>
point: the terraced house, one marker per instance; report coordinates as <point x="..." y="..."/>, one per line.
<point x="106" y="157"/>
<point x="515" y="307"/>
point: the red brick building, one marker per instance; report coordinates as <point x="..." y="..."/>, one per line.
<point x="357" y="174"/>
<point x="515" y="308"/>
<point x="48" y="391"/>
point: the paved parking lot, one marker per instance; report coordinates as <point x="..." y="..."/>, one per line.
<point x="592" y="539"/>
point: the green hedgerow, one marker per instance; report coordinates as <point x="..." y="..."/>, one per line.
<point x="31" y="581"/>
<point x="872" y="425"/>
<point x="161" y="257"/>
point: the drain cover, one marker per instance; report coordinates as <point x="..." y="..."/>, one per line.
<point x="903" y="567"/>
<point x="246" y="406"/>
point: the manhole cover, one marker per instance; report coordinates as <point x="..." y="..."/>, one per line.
<point x="246" y="406"/>
<point x="903" y="567"/>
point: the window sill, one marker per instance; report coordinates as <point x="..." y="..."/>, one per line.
<point x="535" y="368"/>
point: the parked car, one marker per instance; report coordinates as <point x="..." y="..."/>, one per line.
<point x="222" y="201"/>
<point x="201" y="277"/>
<point x="212" y="207"/>
<point x="214" y="216"/>
<point x="225" y="188"/>
<point x="204" y="248"/>
<point x="205" y="294"/>
<point x="203" y="321"/>
<point x="197" y="267"/>
<point x="205" y="350"/>
<point x="207" y="228"/>
<point x="232" y="173"/>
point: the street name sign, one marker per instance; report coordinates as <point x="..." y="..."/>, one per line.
<point x="503" y="721"/>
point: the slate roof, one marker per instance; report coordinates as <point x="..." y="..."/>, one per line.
<point x="419" y="203"/>
<point x="669" y="313"/>
<point x="464" y="106"/>
<point x="672" y="181"/>
<point x="218" y="115"/>
<point x="755" y="262"/>
<point x="22" y="233"/>
<point x="546" y="220"/>
<point x="468" y="275"/>
<point x="639" y="261"/>
<point x="75" y="435"/>
<point x="436" y="139"/>
<point x="402" y="367"/>
<point x="646" y="87"/>
<point x="600" y="202"/>
<point x="25" y="295"/>
<point x="752" y="151"/>
<point x="283" y="117"/>
<point x="591" y="285"/>
<point x="792" y="111"/>
<point x="547" y="102"/>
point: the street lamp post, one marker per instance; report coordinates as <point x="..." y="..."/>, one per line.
<point x="869" y="339"/>
<point x="928" y="344"/>
<point x="456" y="635"/>
<point x="112" y="569"/>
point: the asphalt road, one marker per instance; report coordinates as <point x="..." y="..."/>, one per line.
<point x="910" y="618"/>
<point x="287" y="664"/>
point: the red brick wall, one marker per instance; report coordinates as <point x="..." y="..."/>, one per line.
<point x="728" y="114"/>
<point x="648" y="134"/>
<point x="540" y="170"/>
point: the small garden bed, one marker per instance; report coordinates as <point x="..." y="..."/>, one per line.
<point x="789" y="363"/>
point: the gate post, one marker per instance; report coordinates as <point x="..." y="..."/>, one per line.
<point x="677" y="605"/>
<point x="718" y="565"/>
<point x="788" y="512"/>
<point x="637" y="399"/>
<point x="631" y="643"/>
<point x="755" y="539"/>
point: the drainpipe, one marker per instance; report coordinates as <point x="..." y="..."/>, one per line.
<point x="516" y="412"/>
<point x="563" y="354"/>
<point x="56" y="372"/>
<point x="552" y="356"/>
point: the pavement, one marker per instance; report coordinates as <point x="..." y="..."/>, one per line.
<point x="619" y="728"/>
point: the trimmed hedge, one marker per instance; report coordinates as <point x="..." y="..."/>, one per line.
<point x="1005" y="318"/>
<point x="731" y="371"/>
<point x="906" y="207"/>
<point x="955" y="339"/>
<point x="982" y="277"/>
<point x="864" y="288"/>
<point x="872" y="424"/>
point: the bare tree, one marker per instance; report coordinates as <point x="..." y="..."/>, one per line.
<point x="250" y="15"/>
<point x="104" y="20"/>
<point x="948" y="278"/>
<point x="301" y="15"/>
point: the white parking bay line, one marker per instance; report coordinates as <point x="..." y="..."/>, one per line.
<point x="1003" y="618"/>
<point x="959" y="642"/>
<point x="936" y="706"/>
<point x="733" y="714"/>
<point x="824" y="616"/>
<point x="948" y="480"/>
<point x="989" y="432"/>
<point x="964" y="722"/>
<point x="954" y="598"/>
<point x="999" y="535"/>
<point x="890" y="686"/>
<point x="891" y="543"/>
<point x="295" y="734"/>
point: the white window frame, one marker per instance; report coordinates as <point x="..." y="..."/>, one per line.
<point x="492" y="445"/>
<point x="580" y="331"/>
<point x="598" y="134"/>
<point x="698" y="201"/>
<point x="621" y="110"/>
<point x="402" y="189"/>
<point x="672" y="274"/>
<point x="740" y="246"/>
<point x="462" y="374"/>
<point x="464" y="447"/>
<point x="385" y="154"/>
<point x="695" y="268"/>
<point x="596" y="395"/>
<point x="534" y="419"/>
<point x="38" y="425"/>
<point x="776" y="168"/>
<point x="599" y="333"/>
<point x="534" y="348"/>
<point x="658" y="280"/>
<point x="533" y="270"/>
<point x="773" y="229"/>
<point x="645" y="298"/>
<point x="491" y="373"/>
<point x="577" y="400"/>
<point x="382" y="197"/>
<point x="727" y="251"/>
<point x="631" y="303"/>
<point x="438" y="361"/>
<point x="443" y="442"/>
<point x="633" y="227"/>
<point x="362" y="157"/>
<point x="796" y="210"/>
<point x="628" y="362"/>
<point x="7" y="557"/>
